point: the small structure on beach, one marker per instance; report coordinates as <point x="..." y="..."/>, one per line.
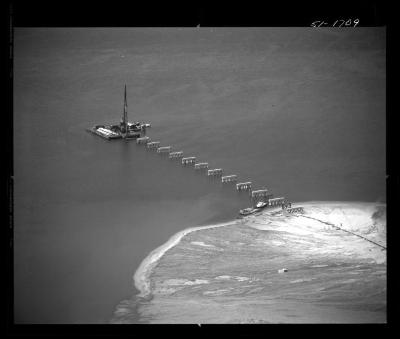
<point x="295" y="210"/>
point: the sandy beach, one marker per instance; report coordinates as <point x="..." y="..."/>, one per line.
<point x="141" y="276"/>
<point x="229" y="273"/>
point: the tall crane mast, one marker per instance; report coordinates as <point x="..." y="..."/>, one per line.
<point x="124" y="122"/>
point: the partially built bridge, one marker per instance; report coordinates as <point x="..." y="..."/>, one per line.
<point x="255" y="196"/>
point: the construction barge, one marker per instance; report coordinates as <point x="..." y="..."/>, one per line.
<point x="261" y="198"/>
<point x="124" y="130"/>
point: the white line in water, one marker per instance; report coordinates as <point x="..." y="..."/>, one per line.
<point x="143" y="272"/>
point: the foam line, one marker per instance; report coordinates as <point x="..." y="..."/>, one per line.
<point x="141" y="276"/>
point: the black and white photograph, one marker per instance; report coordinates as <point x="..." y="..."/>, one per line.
<point x="200" y="175"/>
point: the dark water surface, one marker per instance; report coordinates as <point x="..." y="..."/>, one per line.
<point x="300" y="111"/>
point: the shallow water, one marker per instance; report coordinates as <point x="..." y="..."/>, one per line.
<point x="300" y="111"/>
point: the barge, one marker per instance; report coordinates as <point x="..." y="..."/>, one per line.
<point x="250" y="210"/>
<point x="123" y="130"/>
<point x="269" y="203"/>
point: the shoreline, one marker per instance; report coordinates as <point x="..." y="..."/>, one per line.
<point x="142" y="273"/>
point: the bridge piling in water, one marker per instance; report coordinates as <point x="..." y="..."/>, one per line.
<point x="153" y="145"/>
<point x="259" y="194"/>
<point x="175" y="155"/>
<point x="229" y="178"/>
<point x="276" y="201"/>
<point x="143" y="140"/>
<point x="214" y="172"/>
<point x="255" y="196"/>
<point x="188" y="160"/>
<point x="201" y="165"/>
<point x="243" y="186"/>
<point x="164" y="149"/>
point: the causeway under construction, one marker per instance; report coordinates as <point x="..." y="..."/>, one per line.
<point x="260" y="198"/>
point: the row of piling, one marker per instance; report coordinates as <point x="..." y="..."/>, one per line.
<point x="262" y="194"/>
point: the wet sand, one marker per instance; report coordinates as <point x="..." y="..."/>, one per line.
<point x="230" y="274"/>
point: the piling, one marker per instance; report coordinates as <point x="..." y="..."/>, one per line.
<point x="229" y="178"/>
<point x="276" y="201"/>
<point x="143" y="140"/>
<point x="295" y="210"/>
<point x="242" y="186"/>
<point x="164" y="149"/>
<point x="214" y="172"/>
<point x="153" y="145"/>
<point x="174" y="155"/>
<point x="201" y="165"/>
<point x="188" y="160"/>
<point x="259" y="193"/>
